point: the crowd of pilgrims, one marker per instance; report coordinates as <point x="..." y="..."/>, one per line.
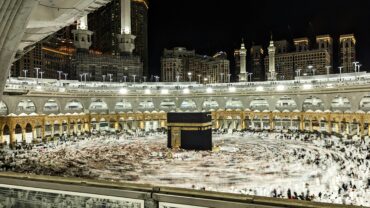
<point x="353" y="159"/>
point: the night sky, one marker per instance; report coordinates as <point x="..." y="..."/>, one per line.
<point x="211" y="26"/>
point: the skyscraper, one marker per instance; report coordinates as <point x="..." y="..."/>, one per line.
<point x="257" y="63"/>
<point x="106" y="24"/>
<point x="347" y="52"/>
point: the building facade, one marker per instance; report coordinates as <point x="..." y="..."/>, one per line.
<point x="347" y="52"/>
<point x="105" y="23"/>
<point x="180" y="64"/>
<point x="258" y="72"/>
<point x="303" y="61"/>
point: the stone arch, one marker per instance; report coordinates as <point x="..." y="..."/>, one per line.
<point x="234" y="103"/>
<point x="123" y="106"/>
<point x="260" y="104"/>
<point x="167" y="105"/>
<point x="26" y="106"/>
<point x="188" y="105"/>
<point x="6" y="134"/>
<point x="98" y="106"/>
<point x="74" y="106"/>
<point x="18" y="133"/>
<point x="146" y="105"/>
<point x="51" y="106"/>
<point x="286" y="103"/>
<point x="365" y="103"/>
<point x="210" y="103"/>
<point x="340" y="104"/>
<point x="3" y="108"/>
<point x="313" y="103"/>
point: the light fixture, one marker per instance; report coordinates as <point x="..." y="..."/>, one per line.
<point x="209" y="90"/>
<point x="186" y="91"/>
<point x="280" y="88"/>
<point x="147" y="91"/>
<point x="307" y="86"/>
<point x="259" y="89"/>
<point x="232" y="89"/>
<point x="164" y="91"/>
<point x="123" y="91"/>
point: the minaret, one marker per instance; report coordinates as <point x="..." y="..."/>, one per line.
<point x="82" y="36"/>
<point x="243" y="64"/>
<point x="271" y="51"/>
<point x="126" y="40"/>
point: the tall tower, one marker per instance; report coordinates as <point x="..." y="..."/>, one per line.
<point x="139" y="27"/>
<point x="325" y="42"/>
<point x="347" y="52"/>
<point x="243" y="64"/>
<point x="271" y="51"/>
<point x="126" y="40"/>
<point x="82" y="36"/>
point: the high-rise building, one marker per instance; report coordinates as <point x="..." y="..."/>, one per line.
<point x="303" y="60"/>
<point x="347" y="52"/>
<point x="180" y="64"/>
<point x="139" y="24"/>
<point x="26" y="65"/>
<point x="301" y="44"/>
<point x="105" y="23"/>
<point x="92" y="66"/>
<point x="257" y="63"/>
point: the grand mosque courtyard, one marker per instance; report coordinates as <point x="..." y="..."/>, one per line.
<point x="285" y="165"/>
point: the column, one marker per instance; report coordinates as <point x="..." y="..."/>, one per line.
<point x="34" y="135"/>
<point x="347" y="127"/>
<point x="311" y="128"/>
<point x="328" y="126"/>
<point x="362" y="127"/>
<point x="141" y="125"/>
<point x="11" y="137"/>
<point x="23" y="135"/>
<point x="301" y="124"/>
<point x="116" y="126"/>
<point x="52" y="129"/>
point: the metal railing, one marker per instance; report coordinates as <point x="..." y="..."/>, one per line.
<point x="20" y="186"/>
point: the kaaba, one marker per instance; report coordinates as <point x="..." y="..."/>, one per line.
<point x="191" y="131"/>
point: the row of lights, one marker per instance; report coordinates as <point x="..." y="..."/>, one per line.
<point x="210" y="89"/>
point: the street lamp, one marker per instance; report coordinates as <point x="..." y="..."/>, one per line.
<point x="134" y="76"/>
<point x="228" y="78"/>
<point x="340" y="73"/>
<point x="355" y="63"/>
<point x="250" y="77"/>
<point x="41" y="74"/>
<point x="144" y="78"/>
<point x="124" y="78"/>
<point x="327" y="70"/>
<point x="81" y="75"/>
<point x="25" y="73"/>
<point x="177" y="78"/>
<point x="110" y="77"/>
<point x="313" y="71"/>
<point x="104" y="77"/>
<point x="199" y="78"/>
<point x="59" y="74"/>
<point x="37" y="74"/>
<point x="222" y="76"/>
<point x="189" y="76"/>
<point x="298" y="71"/>
<point x="65" y="76"/>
